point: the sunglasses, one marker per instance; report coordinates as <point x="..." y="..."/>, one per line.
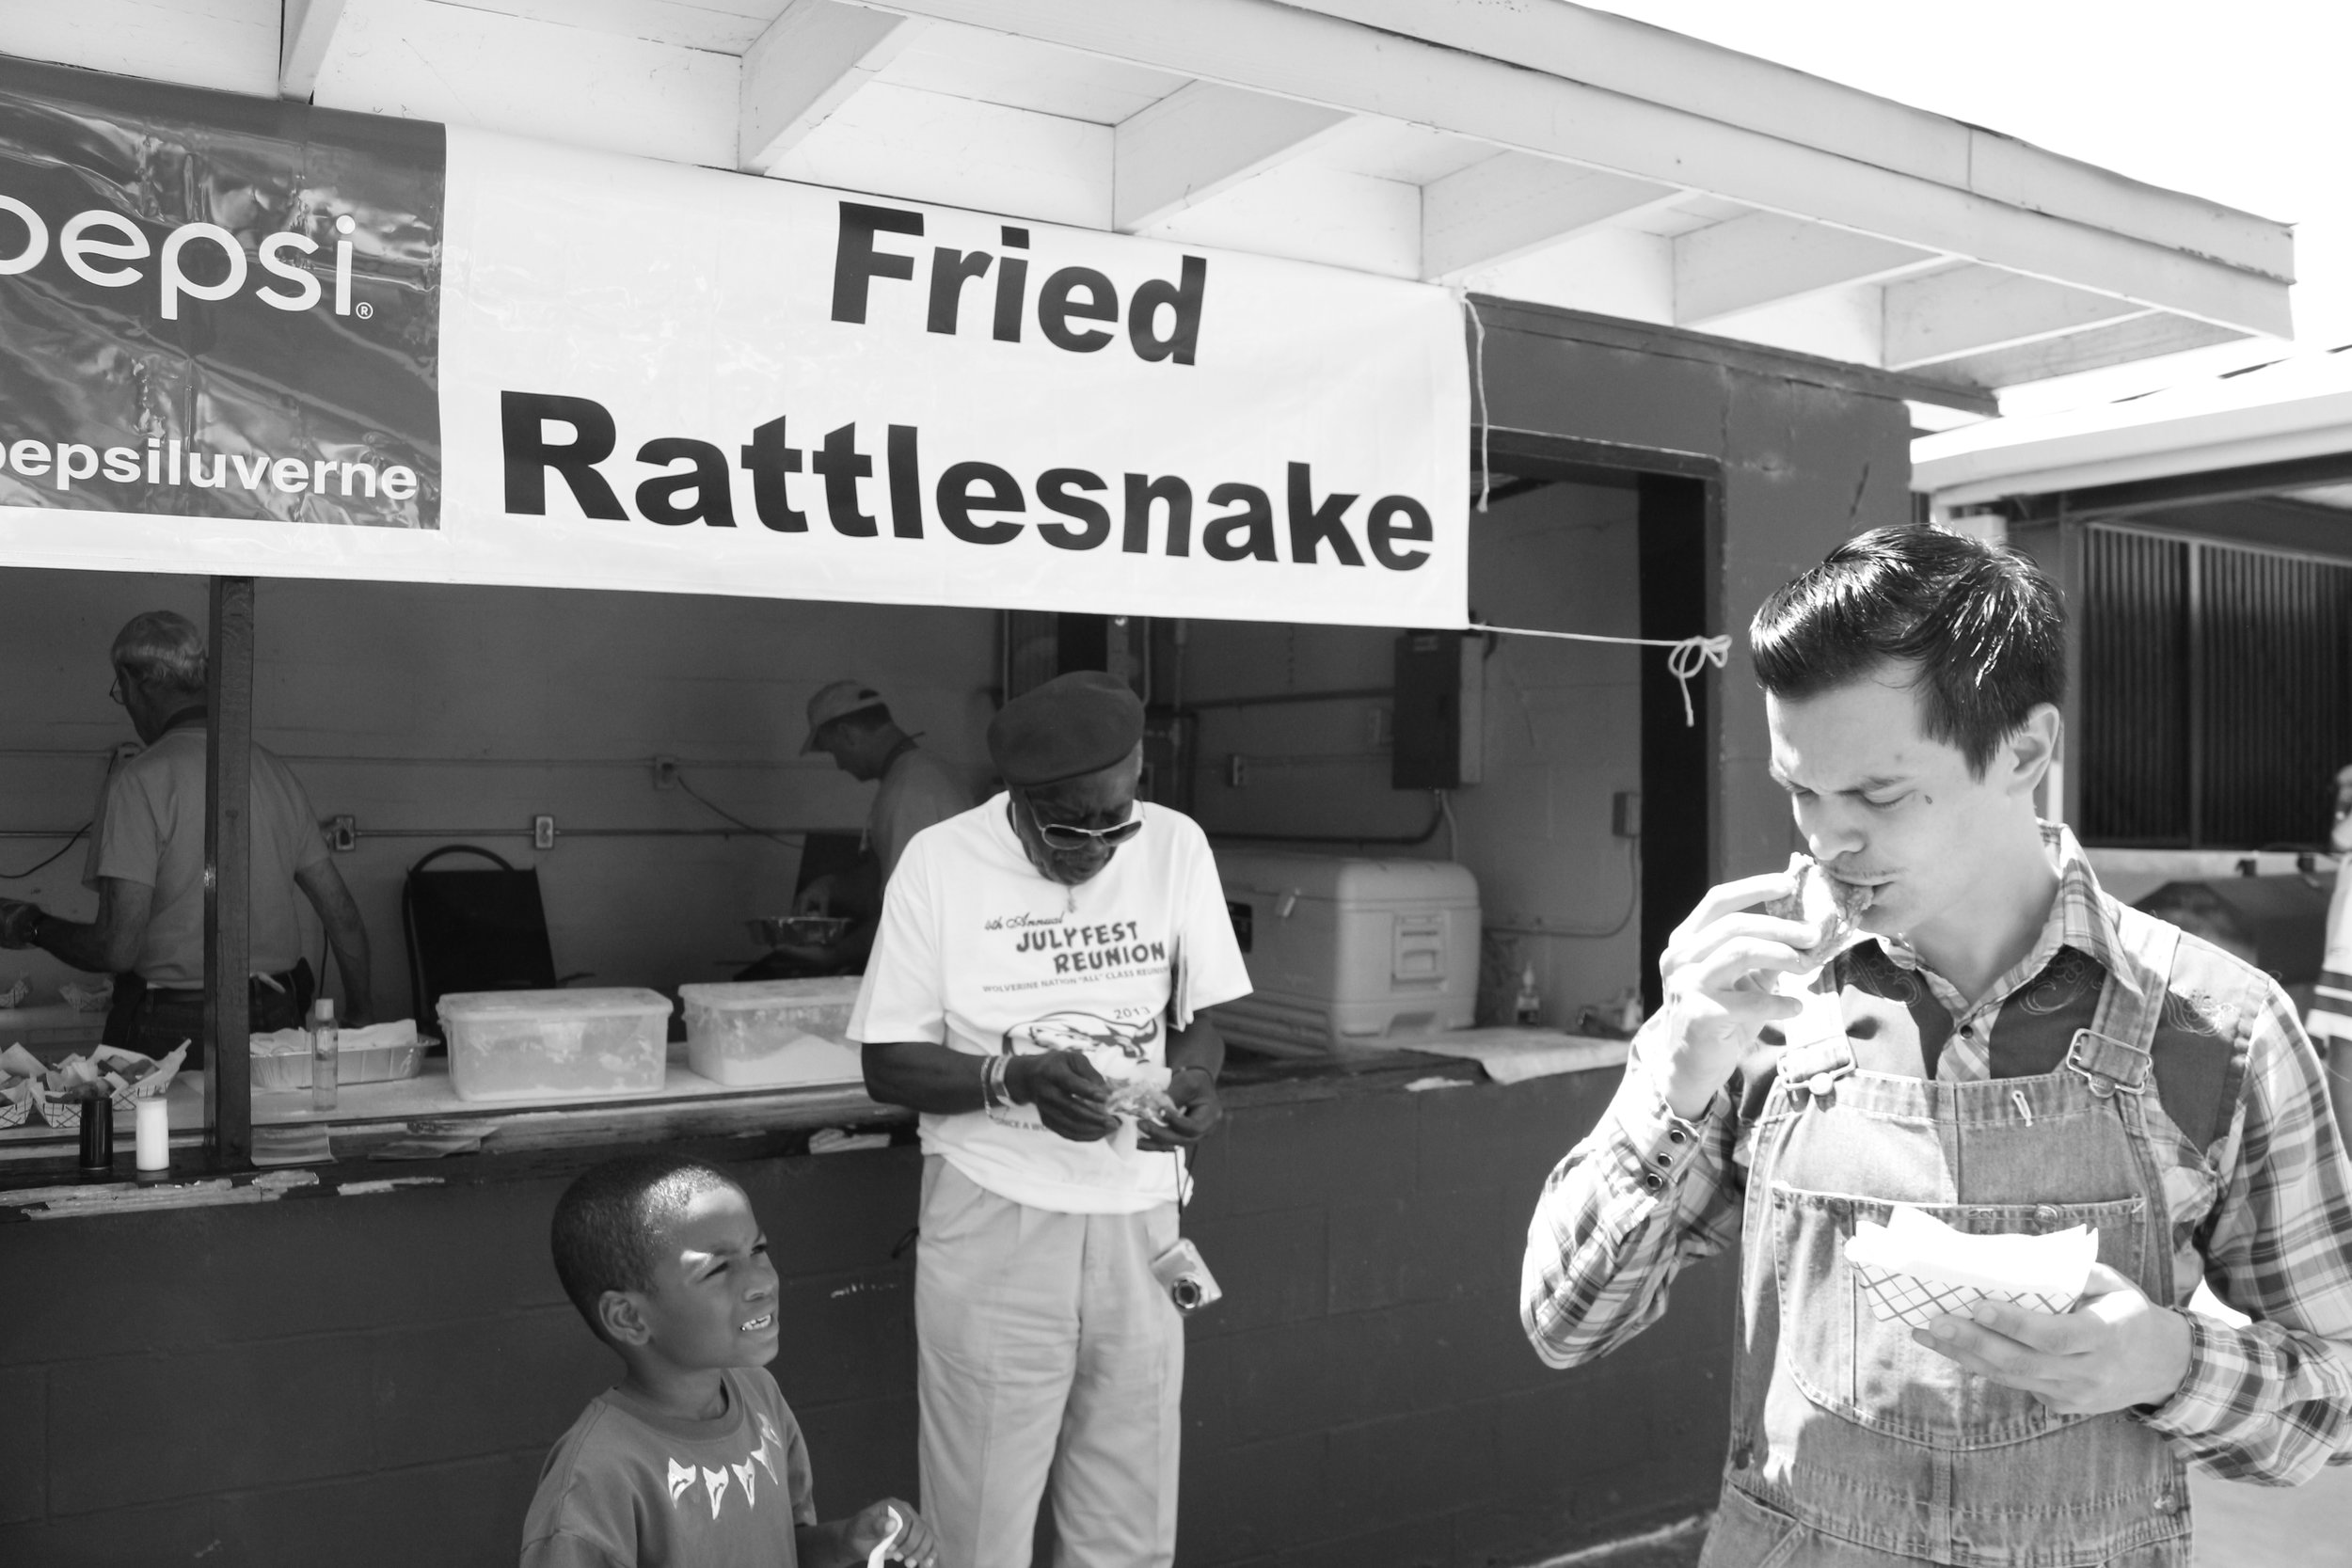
<point x="1061" y="835"/>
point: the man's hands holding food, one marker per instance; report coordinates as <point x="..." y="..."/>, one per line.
<point x="1720" y="967"/>
<point x="1073" y="1099"/>
<point x="1193" y="1093"/>
<point x="2115" y="1350"/>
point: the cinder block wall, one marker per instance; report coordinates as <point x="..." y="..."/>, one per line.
<point x="374" y="1380"/>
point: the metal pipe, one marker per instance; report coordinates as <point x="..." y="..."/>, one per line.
<point x="1437" y="820"/>
<point x="1274" y="698"/>
<point x="585" y="832"/>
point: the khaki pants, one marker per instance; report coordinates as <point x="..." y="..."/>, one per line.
<point x="1048" y="1351"/>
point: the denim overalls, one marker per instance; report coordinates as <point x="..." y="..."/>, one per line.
<point x="1850" y="1444"/>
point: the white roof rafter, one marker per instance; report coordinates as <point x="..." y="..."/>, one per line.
<point x="1537" y="151"/>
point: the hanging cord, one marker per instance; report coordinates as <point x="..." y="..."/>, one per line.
<point x="718" y="810"/>
<point x="1478" y="381"/>
<point x="1687" y="656"/>
<point x="71" y="839"/>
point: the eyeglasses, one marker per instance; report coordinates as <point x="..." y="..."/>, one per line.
<point x="115" y="693"/>
<point x="1063" y="835"/>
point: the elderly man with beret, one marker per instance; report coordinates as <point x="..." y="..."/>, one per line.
<point x="1042" y="958"/>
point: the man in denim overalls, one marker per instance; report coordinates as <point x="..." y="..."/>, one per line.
<point x="2005" y="1046"/>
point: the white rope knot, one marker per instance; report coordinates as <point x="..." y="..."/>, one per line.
<point x="1690" y="657"/>
<point x="1686" y="657"/>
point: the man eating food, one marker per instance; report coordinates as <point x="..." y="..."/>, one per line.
<point x="2003" y="1047"/>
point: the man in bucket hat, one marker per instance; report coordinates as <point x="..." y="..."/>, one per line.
<point x="1038" y="993"/>
<point x="849" y="722"/>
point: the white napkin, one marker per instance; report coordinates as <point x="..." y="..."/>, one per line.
<point x="1917" y="1243"/>
<point x="881" y="1553"/>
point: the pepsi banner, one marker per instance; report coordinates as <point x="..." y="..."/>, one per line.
<point x="238" y="335"/>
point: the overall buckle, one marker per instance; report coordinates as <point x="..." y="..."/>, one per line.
<point x="2108" y="1065"/>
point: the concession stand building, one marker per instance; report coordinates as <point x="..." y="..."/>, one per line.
<point x="539" y="402"/>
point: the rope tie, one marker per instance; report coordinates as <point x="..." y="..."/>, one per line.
<point x="1686" y="657"/>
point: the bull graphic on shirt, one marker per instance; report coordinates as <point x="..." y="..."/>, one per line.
<point x="1082" y="1032"/>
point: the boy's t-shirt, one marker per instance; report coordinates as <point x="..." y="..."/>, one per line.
<point x="979" y="952"/>
<point x="629" y="1487"/>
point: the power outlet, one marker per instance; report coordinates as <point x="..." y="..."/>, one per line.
<point x="666" y="772"/>
<point x="1624" y="814"/>
<point x="543" y="831"/>
<point x="343" y="835"/>
<point x="1237" y="771"/>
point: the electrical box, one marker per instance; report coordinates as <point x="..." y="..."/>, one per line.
<point x="1440" y="731"/>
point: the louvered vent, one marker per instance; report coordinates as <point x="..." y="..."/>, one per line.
<point x="2217" y="691"/>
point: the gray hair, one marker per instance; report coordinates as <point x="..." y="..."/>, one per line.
<point x="162" y="647"/>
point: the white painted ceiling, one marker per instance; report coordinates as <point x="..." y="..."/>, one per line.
<point x="1536" y="151"/>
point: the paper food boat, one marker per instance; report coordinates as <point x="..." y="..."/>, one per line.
<point x="1915" y="1268"/>
<point x="105" y="1065"/>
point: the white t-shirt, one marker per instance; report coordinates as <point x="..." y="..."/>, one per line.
<point x="980" y="953"/>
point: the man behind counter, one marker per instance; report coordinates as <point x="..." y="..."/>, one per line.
<point x="850" y="723"/>
<point x="146" y="862"/>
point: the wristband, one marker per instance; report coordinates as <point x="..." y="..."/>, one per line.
<point x="992" y="1095"/>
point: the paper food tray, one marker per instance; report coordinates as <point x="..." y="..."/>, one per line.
<point x="1915" y="1268"/>
<point x="1906" y="1298"/>
<point x="62" y="1113"/>
<point x="376" y="1055"/>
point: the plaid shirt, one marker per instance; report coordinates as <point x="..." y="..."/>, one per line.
<point x="2270" y="1401"/>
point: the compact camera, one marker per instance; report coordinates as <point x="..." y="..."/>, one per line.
<point x="1185" y="1277"/>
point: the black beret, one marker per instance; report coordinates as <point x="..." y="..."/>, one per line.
<point x="1073" y="725"/>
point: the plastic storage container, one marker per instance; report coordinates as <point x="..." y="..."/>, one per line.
<point x="765" y="1032"/>
<point x="555" y="1044"/>
<point x="1345" y="951"/>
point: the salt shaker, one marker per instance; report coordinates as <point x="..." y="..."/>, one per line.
<point x="154" y="1133"/>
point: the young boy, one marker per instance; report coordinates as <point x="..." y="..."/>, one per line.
<point x="693" y="1459"/>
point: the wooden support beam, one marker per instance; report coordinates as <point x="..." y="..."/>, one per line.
<point x="305" y="30"/>
<point x="2121" y="341"/>
<point x="1201" y="140"/>
<point x="1515" y="203"/>
<point x="807" y="64"/>
<point x="1976" y="310"/>
<point x="228" y="864"/>
<point x="1764" y="258"/>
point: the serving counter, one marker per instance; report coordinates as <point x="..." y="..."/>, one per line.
<point x="367" y="1117"/>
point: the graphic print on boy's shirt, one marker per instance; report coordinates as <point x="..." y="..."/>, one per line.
<point x="715" y="1482"/>
<point x="629" y="1486"/>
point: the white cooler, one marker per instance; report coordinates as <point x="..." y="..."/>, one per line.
<point x="603" y="1043"/>
<point x="762" y="1032"/>
<point x="1345" y="951"/>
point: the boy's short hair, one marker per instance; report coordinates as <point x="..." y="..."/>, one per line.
<point x="608" y="1219"/>
<point x="1985" y="629"/>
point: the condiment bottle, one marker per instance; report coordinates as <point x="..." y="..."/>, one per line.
<point x="325" y="1055"/>
<point x="152" y="1126"/>
<point x="1529" y="1009"/>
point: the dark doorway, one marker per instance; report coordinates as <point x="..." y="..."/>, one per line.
<point x="1677" y="497"/>
<point x="1677" y="778"/>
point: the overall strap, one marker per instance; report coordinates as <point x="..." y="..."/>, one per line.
<point x="2115" y="1051"/>
<point x="1817" y="1063"/>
